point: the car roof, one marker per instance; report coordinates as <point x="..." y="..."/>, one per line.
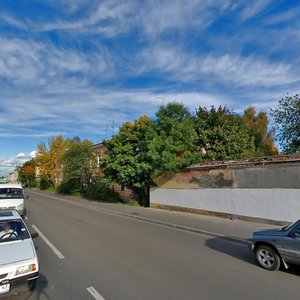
<point x="10" y="185"/>
<point x="8" y="214"/>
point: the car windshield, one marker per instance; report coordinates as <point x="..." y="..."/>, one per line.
<point x="287" y="227"/>
<point x="15" y="193"/>
<point x="12" y="230"/>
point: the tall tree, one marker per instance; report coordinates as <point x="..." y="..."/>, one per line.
<point x="127" y="161"/>
<point x="49" y="160"/>
<point x="257" y="125"/>
<point x="148" y="148"/>
<point x="287" y="122"/>
<point x="26" y="174"/>
<point x="222" y="134"/>
<point x="79" y="162"/>
<point x="173" y="146"/>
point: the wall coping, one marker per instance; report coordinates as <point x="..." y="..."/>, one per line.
<point x="253" y="161"/>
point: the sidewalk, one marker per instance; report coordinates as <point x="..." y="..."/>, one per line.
<point x="236" y="230"/>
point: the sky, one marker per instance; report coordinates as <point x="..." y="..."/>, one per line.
<point x="83" y="67"/>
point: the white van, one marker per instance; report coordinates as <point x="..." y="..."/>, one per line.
<point x="12" y="197"/>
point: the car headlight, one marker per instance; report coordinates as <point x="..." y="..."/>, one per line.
<point x="20" y="206"/>
<point x="26" y="269"/>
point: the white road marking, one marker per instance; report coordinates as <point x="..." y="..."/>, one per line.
<point x="94" y="293"/>
<point x="53" y="248"/>
<point x="26" y="218"/>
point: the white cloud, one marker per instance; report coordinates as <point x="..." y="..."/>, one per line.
<point x="252" y="8"/>
<point x="108" y="18"/>
<point x="114" y="17"/>
<point x="242" y="71"/>
<point x="8" y="19"/>
<point x="76" y="111"/>
<point x="72" y="6"/>
<point x="36" y="63"/>
<point x="33" y="154"/>
<point x="247" y="71"/>
<point x="285" y="16"/>
<point x="159" y="16"/>
<point x="8" y="165"/>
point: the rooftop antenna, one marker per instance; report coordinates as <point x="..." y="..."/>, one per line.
<point x="106" y="132"/>
<point x="113" y="127"/>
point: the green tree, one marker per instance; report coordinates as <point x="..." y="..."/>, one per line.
<point x="287" y="122"/>
<point x="127" y="161"/>
<point x="258" y="129"/>
<point x="222" y="134"/>
<point x="173" y="146"/>
<point x="79" y="163"/>
<point x="148" y="148"/>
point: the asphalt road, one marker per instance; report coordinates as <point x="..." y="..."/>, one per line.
<point x="89" y="253"/>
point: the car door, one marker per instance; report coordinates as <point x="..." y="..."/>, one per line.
<point x="291" y="245"/>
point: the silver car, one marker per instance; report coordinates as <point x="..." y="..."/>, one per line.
<point x="276" y="247"/>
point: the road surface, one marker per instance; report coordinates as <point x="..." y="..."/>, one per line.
<point x="89" y="252"/>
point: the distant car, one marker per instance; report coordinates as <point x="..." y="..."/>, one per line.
<point x="19" y="267"/>
<point x="276" y="247"/>
<point x="12" y="197"/>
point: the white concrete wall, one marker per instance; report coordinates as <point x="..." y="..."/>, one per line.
<point x="273" y="204"/>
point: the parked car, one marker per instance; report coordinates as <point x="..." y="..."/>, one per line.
<point x="19" y="267"/>
<point x="276" y="247"/>
<point x="12" y="197"/>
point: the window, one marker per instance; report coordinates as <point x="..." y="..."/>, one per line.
<point x="11" y="193"/>
<point x="12" y="230"/>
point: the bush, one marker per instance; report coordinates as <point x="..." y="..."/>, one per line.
<point x="46" y="184"/>
<point x="68" y="187"/>
<point x="100" y="189"/>
<point x="133" y="202"/>
<point x="33" y="184"/>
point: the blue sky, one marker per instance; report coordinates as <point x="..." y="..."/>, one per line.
<point x="83" y="67"/>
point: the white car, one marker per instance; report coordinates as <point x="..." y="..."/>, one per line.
<point x="12" y="197"/>
<point x="19" y="266"/>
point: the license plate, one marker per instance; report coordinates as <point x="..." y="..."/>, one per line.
<point x="4" y="288"/>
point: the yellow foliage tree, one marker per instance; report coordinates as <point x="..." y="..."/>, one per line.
<point x="258" y="128"/>
<point x="49" y="160"/>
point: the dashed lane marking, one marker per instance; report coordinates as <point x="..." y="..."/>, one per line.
<point x="53" y="248"/>
<point x="94" y="293"/>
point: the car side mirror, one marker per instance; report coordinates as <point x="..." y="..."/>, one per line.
<point x="34" y="235"/>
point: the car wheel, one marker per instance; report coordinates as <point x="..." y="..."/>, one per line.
<point x="267" y="257"/>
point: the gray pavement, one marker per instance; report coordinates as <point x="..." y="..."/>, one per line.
<point x="124" y="252"/>
<point x="233" y="229"/>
